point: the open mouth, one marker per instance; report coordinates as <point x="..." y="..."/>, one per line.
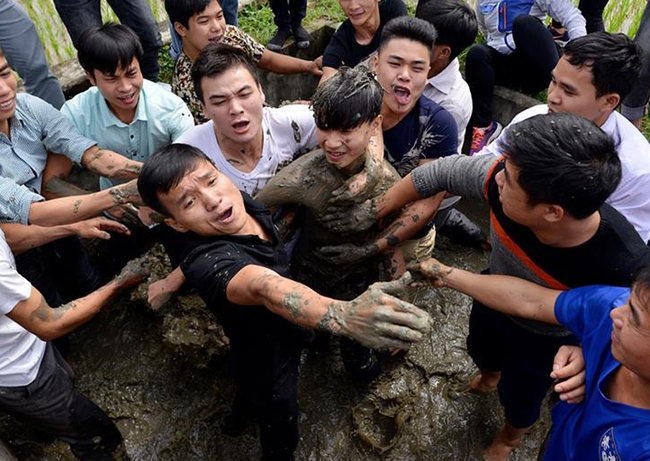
<point x="215" y="39"/>
<point x="6" y="105"/>
<point x="128" y="99"/>
<point x="240" y="127"/>
<point x="402" y="94"/>
<point x="225" y="216"/>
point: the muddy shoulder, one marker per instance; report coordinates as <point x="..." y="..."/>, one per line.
<point x="164" y="377"/>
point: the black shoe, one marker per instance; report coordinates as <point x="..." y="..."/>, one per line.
<point x="277" y="42"/>
<point x="460" y="229"/>
<point x="302" y="37"/>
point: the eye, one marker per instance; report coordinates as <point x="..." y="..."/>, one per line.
<point x="188" y="203"/>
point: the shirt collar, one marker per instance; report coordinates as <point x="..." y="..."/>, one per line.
<point x="445" y="79"/>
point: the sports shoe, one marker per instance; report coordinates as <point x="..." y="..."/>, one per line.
<point x="302" y="37"/>
<point x="481" y="137"/>
<point x="277" y="42"/>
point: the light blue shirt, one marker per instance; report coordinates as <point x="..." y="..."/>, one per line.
<point x="160" y="118"/>
<point x="35" y="129"/>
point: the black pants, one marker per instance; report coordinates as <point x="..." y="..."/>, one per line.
<point x="60" y="270"/>
<point x="527" y="69"/>
<point x="288" y="13"/>
<point x="592" y="10"/>
<point x="51" y="405"/>
<point x="525" y="360"/>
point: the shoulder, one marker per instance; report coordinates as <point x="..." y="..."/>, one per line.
<point x="389" y="9"/>
<point x="539" y="109"/>
<point x="583" y="309"/>
<point x="199" y="135"/>
<point x="158" y="98"/>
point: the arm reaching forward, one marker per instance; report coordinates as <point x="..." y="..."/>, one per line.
<point x="510" y="295"/>
<point x="375" y="318"/>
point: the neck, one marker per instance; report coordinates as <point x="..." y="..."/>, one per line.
<point x="625" y="386"/>
<point x="191" y="51"/>
<point x="5" y="127"/>
<point x="123" y="115"/>
<point x="247" y="154"/>
<point x="600" y="121"/>
<point x="437" y="66"/>
<point x="390" y="118"/>
<point x="366" y="31"/>
<point x="253" y="227"/>
<point x="357" y="166"/>
<point x="570" y="232"/>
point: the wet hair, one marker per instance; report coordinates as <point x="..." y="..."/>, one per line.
<point x="217" y="58"/>
<point x="409" y="28"/>
<point x="614" y="61"/>
<point x="108" y="48"/>
<point x="565" y="160"/>
<point x="454" y="20"/>
<point x="164" y="170"/>
<point x="182" y="10"/>
<point x="348" y="99"/>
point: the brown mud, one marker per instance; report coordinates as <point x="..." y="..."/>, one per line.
<point x="164" y="378"/>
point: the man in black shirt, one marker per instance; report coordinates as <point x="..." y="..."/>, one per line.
<point x="239" y="266"/>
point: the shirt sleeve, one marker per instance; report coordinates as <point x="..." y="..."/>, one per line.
<point x="180" y="120"/>
<point x="15" y="201"/>
<point x="570" y="17"/>
<point x="334" y="53"/>
<point x="59" y="135"/>
<point x="240" y="39"/>
<point x="14" y="287"/>
<point x="581" y="309"/>
<point x="458" y="174"/>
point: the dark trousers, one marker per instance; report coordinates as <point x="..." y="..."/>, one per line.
<point x="527" y="69"/>
<point x="60" y="270"/>
<point x="592" y="10"/>
<point x="288" y="14"/>
<point x="266" y="379"/>
<point x="51" y="405"/>
<point x="78" y="15"/>
<point x="524" y="358"/>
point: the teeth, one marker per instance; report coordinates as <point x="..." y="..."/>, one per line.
<point x="6" y="105"/>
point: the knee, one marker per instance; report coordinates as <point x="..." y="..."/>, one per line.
<point x="527" y="24"/>
<point x="478" y="55"/>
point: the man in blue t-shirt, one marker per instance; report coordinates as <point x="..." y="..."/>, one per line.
<point x="613" y="325"/>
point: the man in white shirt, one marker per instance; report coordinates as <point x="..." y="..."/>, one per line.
<point x="247" y="141"/>
<point x="596" y="72"/>
<point x="457" y="26"/>
<point x="35" y="382"/>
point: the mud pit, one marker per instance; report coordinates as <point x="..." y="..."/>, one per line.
<point x="164" y="378"/>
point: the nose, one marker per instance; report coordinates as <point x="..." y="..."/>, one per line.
<point x="404" y="73"/>
<point x="332" y="142"/>
<point x="499" y="179"/>
<point x="215" y="25"/>
<point x="236" y="106"/>
<point x="124" y="85"/>
<point x="553" y="94"/>
<point x="211" y="200"/>
<point x="4" y="87"/>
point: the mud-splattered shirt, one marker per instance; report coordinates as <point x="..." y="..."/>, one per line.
<point x="288" y="131"/>
<point x="427" y="132"/>
<point x="182" y="84"/>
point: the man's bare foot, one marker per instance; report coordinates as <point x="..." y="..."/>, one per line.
<point x="497" y="451"/>
<point x="484" y="382"/>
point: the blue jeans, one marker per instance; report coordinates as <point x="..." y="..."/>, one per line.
<point x="634" y="103"/>
<point x="77" y="15"/>
<point x="24" y="52"/>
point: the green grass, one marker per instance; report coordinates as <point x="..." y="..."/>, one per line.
<point x="166" y="65"/>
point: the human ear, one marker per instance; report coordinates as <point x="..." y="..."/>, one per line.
<point x="180" y="29"/>
<point x="553" y="213"/>
<point x="91" y="78"/>
<point x="171" y="222"/>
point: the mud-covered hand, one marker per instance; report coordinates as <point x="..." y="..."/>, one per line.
<point x="569" y="370"/>
<point x="355" y="218"/>
<point x="377" y="319"/>
<point x="433" y="271"/>
<point x="127" y="214"/>
<point x="347" y="253"/>
<point x="136" y="271"/>
<point x="98" y="228"/>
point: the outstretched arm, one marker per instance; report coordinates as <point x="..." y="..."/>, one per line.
<point x="66" y="210"/>
<point x="107" y="163"/>
<point x="375" y="319"/>
<point x="36" y="316"/>
<point x="282" y="64"/>
<point x="510" y="295"/>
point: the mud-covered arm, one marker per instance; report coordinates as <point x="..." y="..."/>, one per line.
<point x="66" y="210"/>
<point x="107" y="163"/>
<point x="510" y="295"/>
<point x="36" y="316"/>
<point x="286" y="187"/>
<point x="375" y="319"/>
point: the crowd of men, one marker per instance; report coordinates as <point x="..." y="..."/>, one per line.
<point x="285" y="220"/>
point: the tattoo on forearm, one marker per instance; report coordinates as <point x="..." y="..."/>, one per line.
<point x="119" y="195"/>
<point x="45" y="313"/>
<point x="77" y="204"/>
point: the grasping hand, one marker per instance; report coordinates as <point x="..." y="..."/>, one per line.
<point x="98" y="228"/>
<point x="569" y="370"/>
<point x="433" y="270"/>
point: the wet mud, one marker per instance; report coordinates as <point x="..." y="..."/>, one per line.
<point x="164" y="378"/>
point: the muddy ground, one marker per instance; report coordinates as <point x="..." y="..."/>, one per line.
<point x="164" y="378"/>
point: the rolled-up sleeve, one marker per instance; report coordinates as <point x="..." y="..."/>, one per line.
<point x="15" y="201"/>
<point x="59" y="134"/>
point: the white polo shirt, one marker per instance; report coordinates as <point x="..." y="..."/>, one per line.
<point x="21" y="352"/>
